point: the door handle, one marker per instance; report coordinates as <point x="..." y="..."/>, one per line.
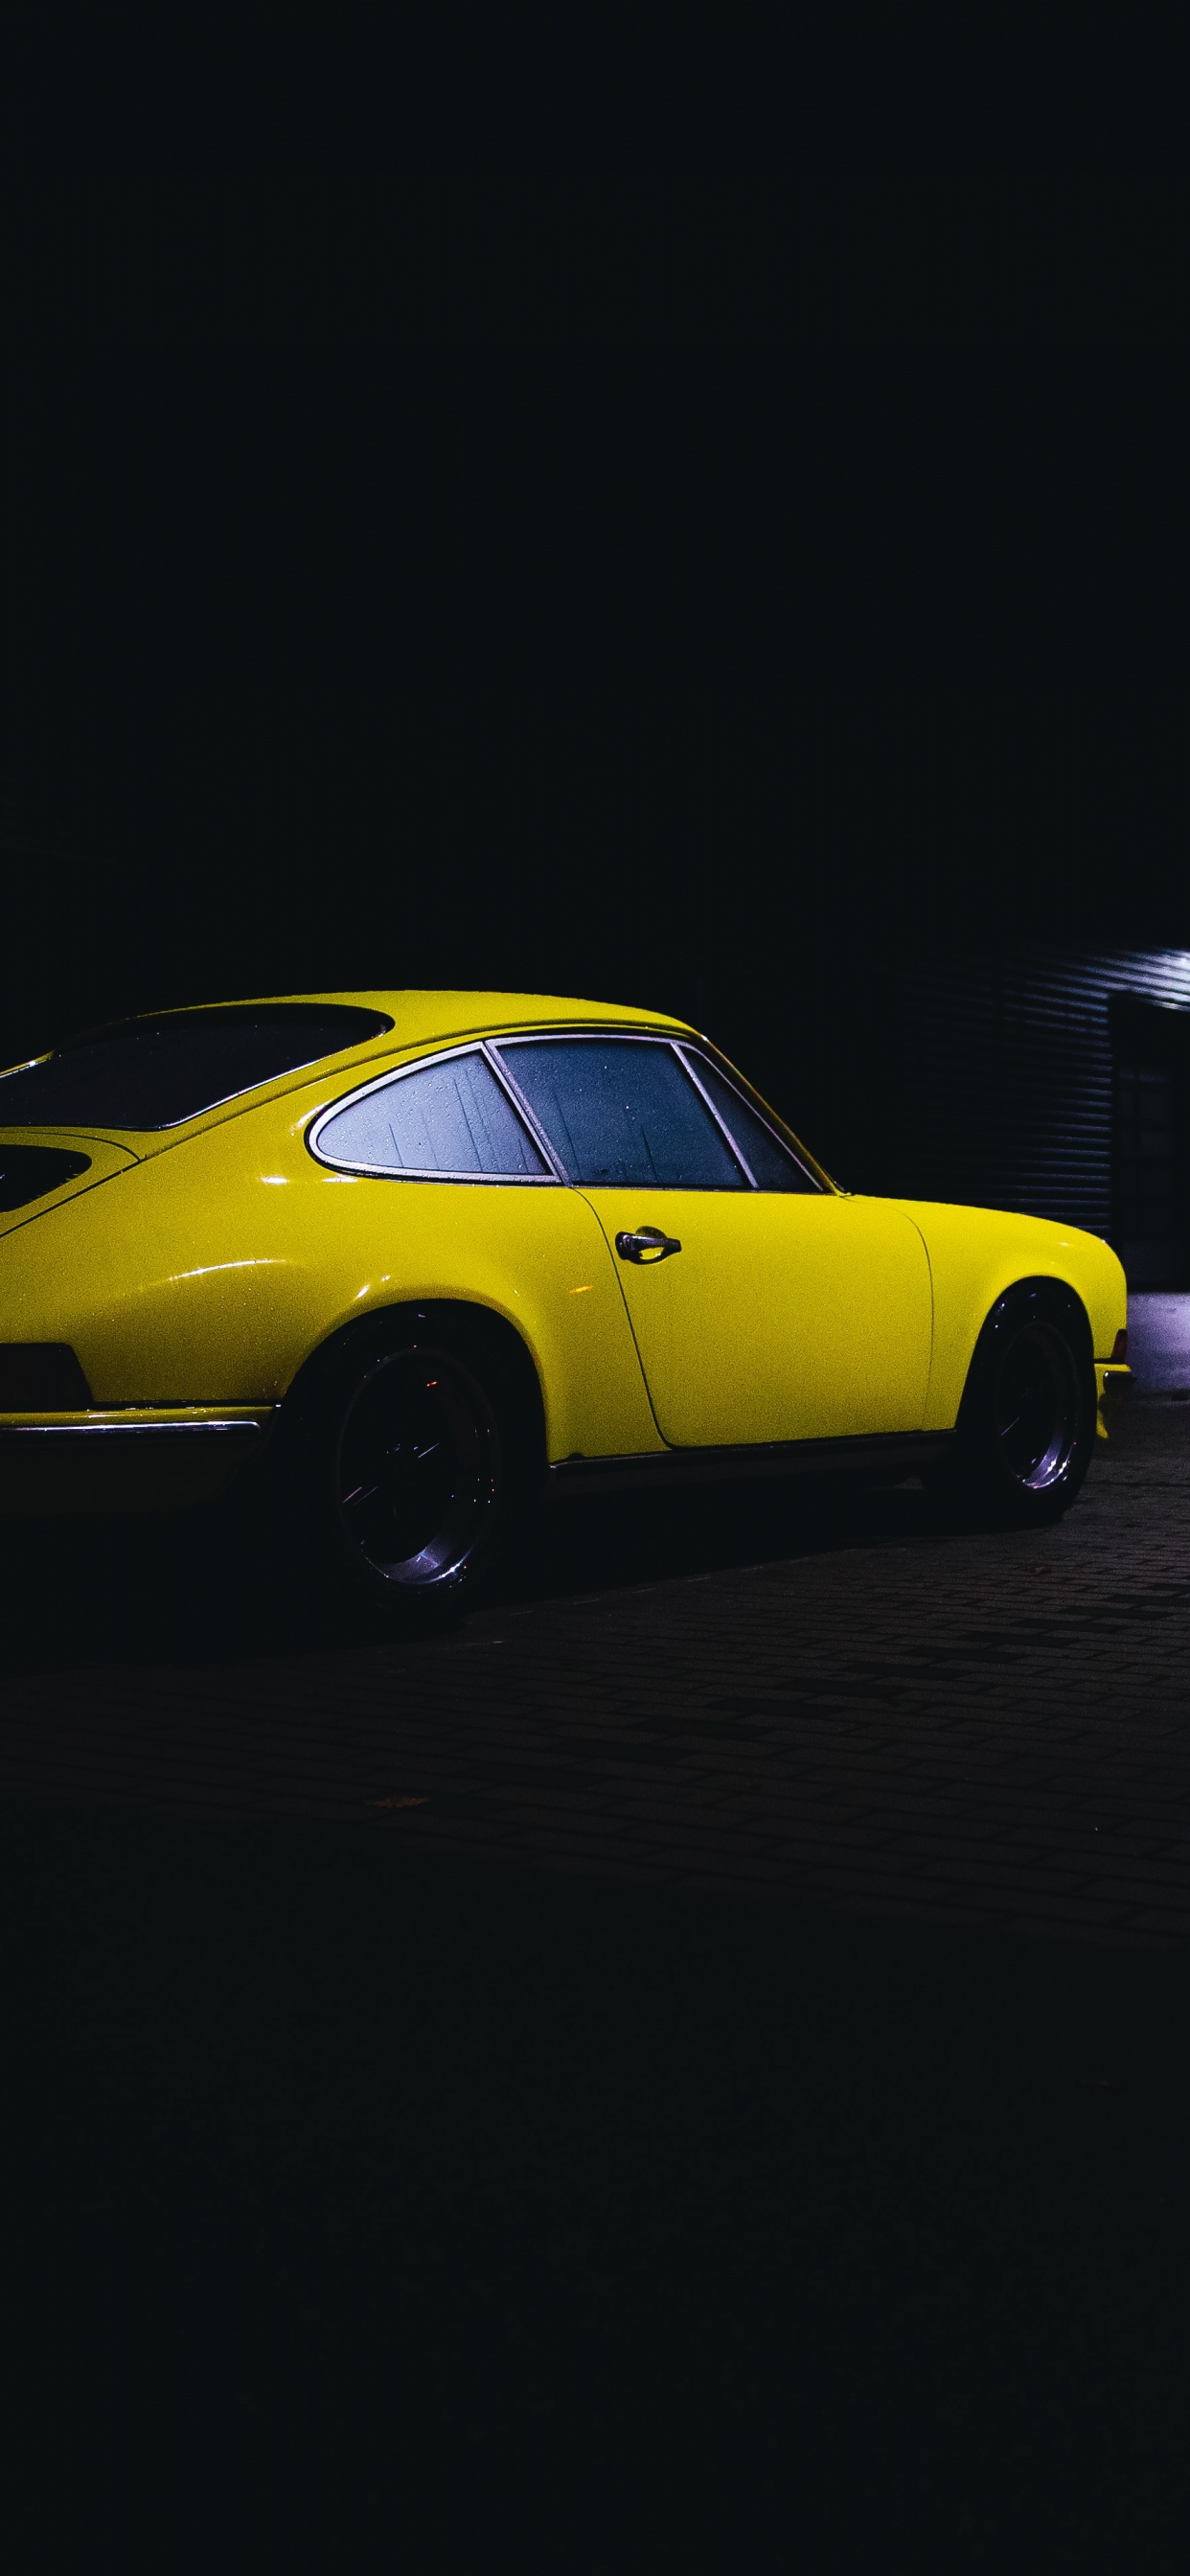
<point x="648" y="1244"/>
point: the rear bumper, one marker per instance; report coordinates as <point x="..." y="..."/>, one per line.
<point x="134" y="1459"/>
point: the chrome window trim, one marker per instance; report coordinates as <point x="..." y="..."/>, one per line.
<point x="405" y="1172"/>
<point x="490" y="1046"/>
<point x="720" y="1122"/>
<point x="686" y="1052"/>
<point x="637" y="1037"/>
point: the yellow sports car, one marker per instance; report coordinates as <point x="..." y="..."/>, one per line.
<point x="425" y="1250"/>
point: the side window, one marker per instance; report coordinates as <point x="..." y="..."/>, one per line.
<point x="771" y="1164"/>
<point x="451" y="1119"/>
<point x="623" y="1113"/>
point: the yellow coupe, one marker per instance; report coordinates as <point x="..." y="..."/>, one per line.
<point x="426" y="1251"/>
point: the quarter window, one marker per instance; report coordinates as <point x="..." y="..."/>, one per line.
<point x="622" y="1113"/>
<point x="451" y="1118"/>
<point x="772" y="1166"/>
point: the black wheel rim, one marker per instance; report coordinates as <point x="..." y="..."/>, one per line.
<point x="417" y="1468"/>
<point x="1038" y="1408"/>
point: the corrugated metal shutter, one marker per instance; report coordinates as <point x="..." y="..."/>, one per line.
<point x="1012" y="1100"/>
<point x="963" y="1074"/>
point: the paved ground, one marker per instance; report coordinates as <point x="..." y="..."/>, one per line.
<point x="472" y="2107"/>
<point x="821" y="1700"/>
<point x="1159" y="1341"/>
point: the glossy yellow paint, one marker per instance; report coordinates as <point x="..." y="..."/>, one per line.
<point x="202" y="1265"/>
<point x="783" y="1318"/>
<point x="105" y="1158"/>
<point x="422" y="1022"/>
<point x="1112" y="1380"/>
<point x="975" y="1254"/>
<point x="208" y="1274"/>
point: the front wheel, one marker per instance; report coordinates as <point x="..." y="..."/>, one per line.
<point x="1026" y="1427"/>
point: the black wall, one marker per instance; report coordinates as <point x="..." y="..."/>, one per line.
<point x="1055" y="1081"/>
<point x="745" y="585"/>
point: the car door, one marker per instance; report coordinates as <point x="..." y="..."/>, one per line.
<point x="766" y="1306"/>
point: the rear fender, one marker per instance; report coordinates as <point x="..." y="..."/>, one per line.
<point x="218" y="1268"/>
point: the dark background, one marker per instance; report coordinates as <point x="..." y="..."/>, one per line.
<point x="474" y="521"/>
<point x="698" y="529"/>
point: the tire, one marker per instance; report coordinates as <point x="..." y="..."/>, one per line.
<point x="1026" y="1426"/>
<point x="414" y="1451"/>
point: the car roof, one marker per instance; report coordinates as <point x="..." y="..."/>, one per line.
<point x="420" y="1019"/>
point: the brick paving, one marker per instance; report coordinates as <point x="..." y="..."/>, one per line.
<point x="870" y="1717"/>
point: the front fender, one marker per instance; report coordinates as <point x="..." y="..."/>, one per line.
<point x="975" y="1254"/>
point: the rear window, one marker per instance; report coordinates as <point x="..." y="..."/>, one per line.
<point x="29" y="1172"/>
<point x="159" y="1072"/>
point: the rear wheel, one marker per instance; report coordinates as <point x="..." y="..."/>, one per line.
<point x="417" y="1468"/>
<point x="417" y="1449"/>
<point x="1026" y="1427"/>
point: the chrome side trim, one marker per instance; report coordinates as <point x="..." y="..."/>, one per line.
<point x="908" y="1450"/>
<point x="124" y="1430"/>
